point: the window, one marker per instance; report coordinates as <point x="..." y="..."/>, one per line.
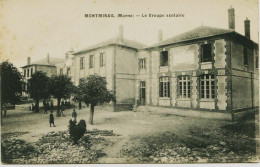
<point x="81" y="62"/>
<point x="206" y="53"/>
<point x="207" y="86"/>
<point x="184" y="86"/>
<point x="245" y="57"/>
<point x="256" y="62"/>
<point x="164" y="58"/>
<point x="31" y="71"/>
<point x="28" y="72"/>
<point x="24" y="73"/>
<point x="164" y="87"/>
<point x="142" y="63"/>
<point x="91" y="61"/>
<point x="102" y="60"/>
<point x="68" y="71"/>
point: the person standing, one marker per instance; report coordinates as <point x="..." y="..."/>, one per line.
<point x="51" y="119"/>
<point x="74" y="115"/>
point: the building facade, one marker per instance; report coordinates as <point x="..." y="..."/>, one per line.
<point x="206" y="68"/>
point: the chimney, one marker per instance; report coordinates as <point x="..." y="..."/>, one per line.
<point x="160" y="36"/>
<point x="247" y="28"/>
<point x="28" y="60"/>
<point x="231" y="18"/>
<point x="48" y="58"/>
<point x="121" y="33"/>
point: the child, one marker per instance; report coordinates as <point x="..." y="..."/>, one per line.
<point x="52" y="119"/>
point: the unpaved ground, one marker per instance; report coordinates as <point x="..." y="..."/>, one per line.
<point x="128" y="125"/>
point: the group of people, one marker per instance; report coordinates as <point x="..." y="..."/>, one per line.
<point x="51" y="120"/>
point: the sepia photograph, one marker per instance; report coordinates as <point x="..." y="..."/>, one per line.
<point x="129" y="82"/>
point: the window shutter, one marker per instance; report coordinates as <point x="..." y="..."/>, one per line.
<point x="161" y="89"/>
<point x="169" y="89"/>
<point x="145" y="63"/>
<point x="139" y="64"/>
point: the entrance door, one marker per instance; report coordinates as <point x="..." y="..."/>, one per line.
<point x="142" y="93"/>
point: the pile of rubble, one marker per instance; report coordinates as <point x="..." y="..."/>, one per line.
<point x="52" y="148"/>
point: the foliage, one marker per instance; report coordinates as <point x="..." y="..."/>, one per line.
<point x="38" y="87"/>
<point x="94" y="90"/>
<point x="60" y="86"/>
<point x="11" y="83"/>
<point x="77" y="131"/>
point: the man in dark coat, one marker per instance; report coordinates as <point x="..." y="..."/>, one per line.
<point x="51" y="119"/>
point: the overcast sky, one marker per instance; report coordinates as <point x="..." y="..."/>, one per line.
<point x="33" y="28"/>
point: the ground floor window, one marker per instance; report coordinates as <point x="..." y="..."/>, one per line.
<point x="184" y="86"/>
<point x="164" y="87"/>
<point x="207" y="86"/>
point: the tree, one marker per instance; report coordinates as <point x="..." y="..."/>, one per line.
<point x="60" y="86"/>
<point x="78" y="94"/>
<point x="11" y="84"/>
<point x="38" y="87"/>
<point x="95" y="93"/>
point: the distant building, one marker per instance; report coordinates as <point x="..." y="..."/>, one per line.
<point x="46" y="65"/>
<point x="67" y="67"/>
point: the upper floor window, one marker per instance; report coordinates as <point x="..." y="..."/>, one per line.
<point x="81" y="63"/>
<point x="164" y="58"/>
<point x="24" y="73"/>
<point x="31" y="71"/>
<point x="91" y="61"/>
<point x="206" y="55"/>
<point x="207" y="86"/>
<point x="102" y="60"/>
<point x="257" y="62"/>
<point x="245" y="56"/>
<point x="142" y="63"/>
<point x="184" y="86"/>
<point x="164" y="90"/>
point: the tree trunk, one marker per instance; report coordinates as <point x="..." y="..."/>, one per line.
<point x="36" y="108"/>
<point x="58" y="110"/>
<point x="79" y="105"/>
<point x="91" y="114"/>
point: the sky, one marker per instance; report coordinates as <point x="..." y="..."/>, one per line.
<point x="34" y="28"/>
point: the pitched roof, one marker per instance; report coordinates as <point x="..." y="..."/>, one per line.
<point x="115" y="41"/>
<point x="199" y="32"/>
<point x="52" y="61"/>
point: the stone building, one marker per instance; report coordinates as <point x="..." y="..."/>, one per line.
<point x="114" y="59"/>
<point x="206" y="68"/>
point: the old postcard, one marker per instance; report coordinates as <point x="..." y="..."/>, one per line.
<point x="126" y="82"/>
